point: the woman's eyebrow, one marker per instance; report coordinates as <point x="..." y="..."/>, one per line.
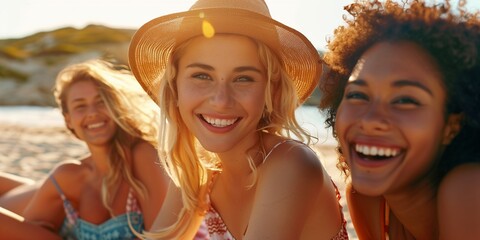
<point x="403" y="83"/>
<point x="200" y="65"/>
<point x="237" y="69"/>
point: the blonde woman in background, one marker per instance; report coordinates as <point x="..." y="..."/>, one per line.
<point x="119" y="187"/>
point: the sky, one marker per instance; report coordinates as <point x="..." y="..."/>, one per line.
<point x="316" y="19"/>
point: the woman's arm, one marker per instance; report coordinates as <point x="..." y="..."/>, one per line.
<point x="149" y="171"/>
<point x="169" y="214"/>
<point x="16" y="192"/>
<point x="11" y="181"/>
<point x="164" y="204"/>
<point x="459" y="203"/>
<point x="13" y="226"/>
<point x="170" y="210"/>
<point x="46" y="206"/>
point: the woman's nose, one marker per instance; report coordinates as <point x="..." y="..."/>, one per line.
<point x="375" y="118"/>
<point x="92" y="110"/>
<point x="221" y="96"/>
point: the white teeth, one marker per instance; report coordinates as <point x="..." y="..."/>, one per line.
<point x="219" y="122"/>
<point x="394" y="152"/>
<point x="95" y="125"/>
<point x="365" y="149"/>
<point x="381" y="152"/>
<point x="388" y="152"/>
<point x="373" y="151"/>
<point x="376" y="150"/>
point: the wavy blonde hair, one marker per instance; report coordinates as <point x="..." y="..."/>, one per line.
<point x="128" y="105"/>
<point x="187" y="163"/>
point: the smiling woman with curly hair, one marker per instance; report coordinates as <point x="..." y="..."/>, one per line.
<point x="402" y="98"/>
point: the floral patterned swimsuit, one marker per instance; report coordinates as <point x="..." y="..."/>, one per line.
<point x="219" y="231"/>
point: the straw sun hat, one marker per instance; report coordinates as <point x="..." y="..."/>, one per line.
<point x="152" y="45"/>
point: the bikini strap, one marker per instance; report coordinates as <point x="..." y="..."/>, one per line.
<point x="132" y="203"/>
<point x="59" y="190"/>
<point x="70" y="212"/>
<point x="275" y="146"/>
<point x="385" y="219"/>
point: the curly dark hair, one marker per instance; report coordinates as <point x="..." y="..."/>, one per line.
<point x="450" y="35"/>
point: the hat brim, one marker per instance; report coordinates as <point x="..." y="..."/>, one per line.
<point x="153" y="43"/>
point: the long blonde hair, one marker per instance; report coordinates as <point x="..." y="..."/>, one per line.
<point x="128" y="105"/>
<point x="187" y="163"/>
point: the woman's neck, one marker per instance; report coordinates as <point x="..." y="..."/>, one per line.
<point x="235" y="163"/>
<point x="99" y="157"/>
<point x="415" y="210"/>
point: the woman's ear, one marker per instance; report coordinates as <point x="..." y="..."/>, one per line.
<point x="453" y="127"/>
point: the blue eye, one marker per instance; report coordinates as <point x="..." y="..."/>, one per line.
<point x="244" y="79"/>
<point x="201" y="76"/>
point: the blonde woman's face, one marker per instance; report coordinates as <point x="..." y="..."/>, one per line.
<point x="87" y="114"/>
<point x="221" y="91"/>
<point x="391" y="121"/>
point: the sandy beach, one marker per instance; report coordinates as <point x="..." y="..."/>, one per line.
<point x="32" y="151"/>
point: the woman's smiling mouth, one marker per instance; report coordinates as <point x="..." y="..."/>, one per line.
<point x="218" y="122"/>
<point x="375" y="152"/>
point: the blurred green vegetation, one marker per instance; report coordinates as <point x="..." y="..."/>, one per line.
<point x="53" y="46"/>
<point x="63" y="41"/>
<point x="9" y="73"/>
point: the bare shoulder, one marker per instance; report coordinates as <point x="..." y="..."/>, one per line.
<point x="146" y="163"/>
<point x="46" y="204"/>
<point x="293" y="156"/>
<point x="462" y="179"/>
<point x="460" y="186"/>
<point x="148" y="170"/>
<point x="294" y="164"/>
<point x="459" y="202"/>
<point x="69" y="173"/>
<point x="147" y="167"/>
<point x="68" y="165"/>
<point x="69" y="169"/>
<point x="294" y="195"/>
<point x="143" y="146"/>
<point x="65" y="174"/>
<point x="144" y="155"/>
